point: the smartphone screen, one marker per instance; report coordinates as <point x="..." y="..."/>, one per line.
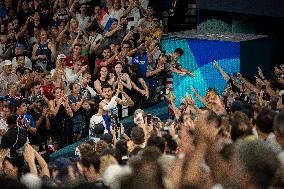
<point x="155" y="122"/>
<point x="149" y="117"/>
<point x="129" y="19"/>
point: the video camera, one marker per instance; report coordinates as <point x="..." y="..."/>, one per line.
<point x="114" y="120"/>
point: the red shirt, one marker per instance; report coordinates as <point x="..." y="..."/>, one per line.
<point x="70" y="62"/>
<point x="48" y="91"/>
<point x="110" y="67"/>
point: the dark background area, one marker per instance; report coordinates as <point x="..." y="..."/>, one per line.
<point x="273" y="8"/>
<point x="260" y="17"/>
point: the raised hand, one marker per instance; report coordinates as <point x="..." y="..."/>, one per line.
<point x="193" y="90"/>
<point x="172" y="96"/>
<point x="85" y="95"/>
<point x="215" y="64"/>
<point x="183" y="100"/>
<point x="218" y="106"/>
<point x="182" y="74"/>
<point x="29" y="155"/>
<point x="260" y="73"/>
<point x="120" y="86"/>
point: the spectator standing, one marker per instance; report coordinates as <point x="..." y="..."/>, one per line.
<point x="6" y="76"/>
<point x="44" y="52"/>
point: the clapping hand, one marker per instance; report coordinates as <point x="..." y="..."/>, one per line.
<point x="84" y="68"/>
<point x="183" y="100"/>
<point x="120" y="86"/>
<point x="85" y="95"/>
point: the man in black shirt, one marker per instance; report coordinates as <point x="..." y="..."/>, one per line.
<point x="14" y="139"/>
<point x="41" y="116"/>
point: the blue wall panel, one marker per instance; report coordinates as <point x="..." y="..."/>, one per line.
<point x="198" y="58"/>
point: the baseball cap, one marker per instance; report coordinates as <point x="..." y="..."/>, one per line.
<point x="61" y="56"/>
<point x="97" y="131"/>
<point x="20" y="45"/>
<point x="7" y="63"/>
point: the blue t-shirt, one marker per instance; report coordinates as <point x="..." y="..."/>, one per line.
<point x="142" y="61"/>
<point x="3" y="12"/>
<point x="27" y="118"/>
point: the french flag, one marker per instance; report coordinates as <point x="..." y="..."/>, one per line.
<point x="105" y="20"/>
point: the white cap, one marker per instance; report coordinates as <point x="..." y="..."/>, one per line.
<point x="7" y="63"/>
<point x="61" y="56"/>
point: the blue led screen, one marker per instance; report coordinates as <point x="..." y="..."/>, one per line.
<point x="198" y="57"/>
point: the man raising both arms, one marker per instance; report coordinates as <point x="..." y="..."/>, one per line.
<point x="108" y="106"/>
<point x="173" y="66"/>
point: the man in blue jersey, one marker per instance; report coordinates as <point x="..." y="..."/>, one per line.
<point x="141" y="59"/>
<point x="27" y="123"/>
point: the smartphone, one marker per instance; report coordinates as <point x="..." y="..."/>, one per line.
<point x="165" y="131"/>
<point x="130" y="19"/>
<point x="155" y="121"/>
<point x="149" y="118"/>
<point x="281" y="93"/>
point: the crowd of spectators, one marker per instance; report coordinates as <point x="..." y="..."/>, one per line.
<point x="72" y="69"/>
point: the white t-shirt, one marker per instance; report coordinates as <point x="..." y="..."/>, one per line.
<point x="144" y="3"/>
<point x="28" y="63"/>
<point x="96" y="119"/>
<point x="117" y="14"/>
<point x="68" y="77"/>
<point x="83" y="21"/>
<point x="136" y="14"/>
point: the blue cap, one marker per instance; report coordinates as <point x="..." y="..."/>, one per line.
<point x="20" y="45"/>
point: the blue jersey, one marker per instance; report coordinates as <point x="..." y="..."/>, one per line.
<point x="142" y="61"/>
<point x="26" y="118"/>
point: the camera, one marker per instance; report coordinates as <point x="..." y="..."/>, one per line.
<point x="130" y="19"/>
<point x="114" y="120"/>
<point x="166" y="91"/>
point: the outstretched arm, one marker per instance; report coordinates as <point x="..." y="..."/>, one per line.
<point x="187" y="72"/>
<point x="174" y="107"/>
<point x="223" y="73"/>
<point x="200" y="98"/>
